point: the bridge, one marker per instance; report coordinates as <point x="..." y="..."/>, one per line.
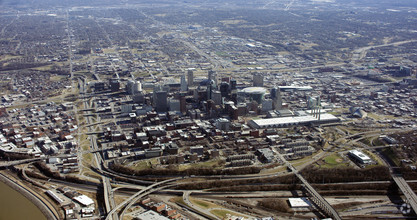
<point x="409" y="194"/>
<point x="17" y="162"/>
<point x="315" y="197"/>
<point x="131" y="200"/>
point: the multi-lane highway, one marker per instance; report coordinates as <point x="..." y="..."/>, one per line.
<point x="131" y="200"/>
<point x="17" y="162"/>
<point x="313" y="194"/>
<point x="409" y="194"/>
<point x="108" y="193"/>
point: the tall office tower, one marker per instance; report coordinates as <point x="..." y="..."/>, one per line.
<point x="190" y="78"/>
<point x="225" y="89"/>
<point x="183" y="103"/>
<point x="138" y="87"/>
<point x="210" y="89"/>
<point x="133" y="87"/>
<point x="129" y="87"/>
<point x="161" y="101"/>
<point x="276" y="98"/>
<point x="174" y="105"/>
<point x="212" y="77"/>
<point x="258" y="79"/>
<point x="183" y="84"/>
<point x="114" y="84"/>
<point x="216" y="97"/>
<point x="233" y="84"/>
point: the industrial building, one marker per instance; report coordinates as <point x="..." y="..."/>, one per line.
<point x="292" y="121"/>
<point x="359" y="157"/>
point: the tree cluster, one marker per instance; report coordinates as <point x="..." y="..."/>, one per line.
<point x="258" y="184"/>
<point x="188" y="172"/>
<point x="340" y="175"/>
<point x="280" y="205"/>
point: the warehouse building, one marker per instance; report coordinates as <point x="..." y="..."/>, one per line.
<point x="292" y="121"/>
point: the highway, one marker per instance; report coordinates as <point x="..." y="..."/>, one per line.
<point x="411" y="197"/>
<point x="131" y="200"/>
<point x="17" y="162"/>
<point x="409" y="194"/>
<point x="196" y="209"/>
<point x="108" y="193"/>
<point x="313" y="194"/>
<point x="360" y="53"/>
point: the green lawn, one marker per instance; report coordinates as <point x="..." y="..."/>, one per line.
<point x="332" y="161"/>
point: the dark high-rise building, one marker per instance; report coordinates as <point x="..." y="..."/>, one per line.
<point x="225" y="89"/>
<point x="99" y="86"/>
<point x="161" y="101"/>
<point x="183" y="104"/>
<point x="233" y="84"/>
<point x="276" y="98"/>
<point x="114" y="85"/>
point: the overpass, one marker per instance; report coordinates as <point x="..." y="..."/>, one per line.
<point x="131" y="200"/>
<point x="411" y="197"/>
<point x="315" y="197"/>
<point x="107" y="188"/>
<point x="17" y="162"/>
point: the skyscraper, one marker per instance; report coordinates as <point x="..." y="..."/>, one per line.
<point x="161" y="101"/>
<point x="258" y="79"/>
<point x="133" y="87"/>
<point x="212" y="77"/>
<point x="183" y="84"/>
<point x="276" y="98"/>
<point x="190" y="78"/>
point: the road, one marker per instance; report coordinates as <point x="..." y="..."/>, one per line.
<point x="17" y="162"/>
<point x="198" y="210"/>
<point x="411" y="197"/>
<point x="131" y="200"/>
<point x="360" y="53"/>
<point x="70" y="54"/>
<point x="108" y="193"/>
<point x="313" y="194"/>
<point x="409" y="194"/>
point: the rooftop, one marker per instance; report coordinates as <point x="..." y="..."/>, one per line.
<point x="151" y="215"/>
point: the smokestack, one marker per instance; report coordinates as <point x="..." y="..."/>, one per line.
<point x="319" y="114"/>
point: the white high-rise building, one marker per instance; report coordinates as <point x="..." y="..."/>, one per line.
<point x="133" y="87"/>
<point x="212" y="77"/>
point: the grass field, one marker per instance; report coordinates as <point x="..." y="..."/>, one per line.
<point x="333" y="160"/>
<point x="223" y="214"/>
<point x="141" y="165"/>
<point x="178" y="199"/>
<point x="214" y="164"/>
<point x="203" y="204"/>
